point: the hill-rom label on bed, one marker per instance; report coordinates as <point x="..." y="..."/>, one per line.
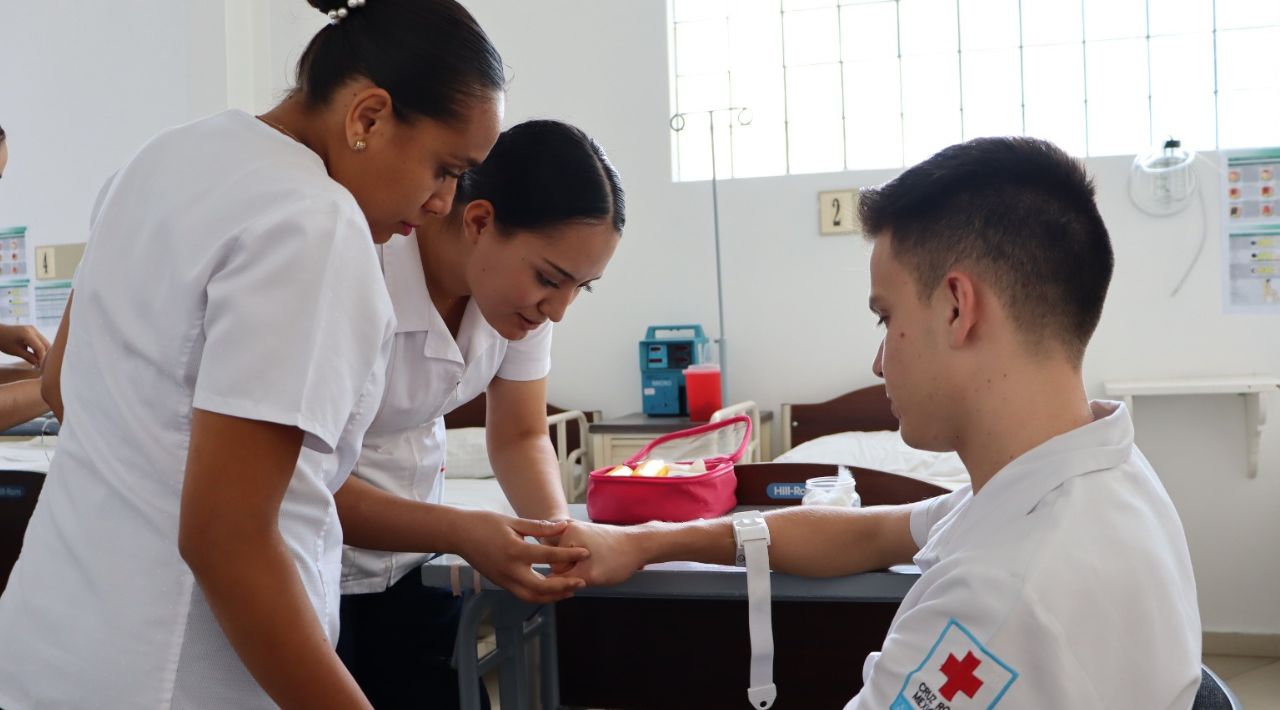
<point x="785" y="491"/>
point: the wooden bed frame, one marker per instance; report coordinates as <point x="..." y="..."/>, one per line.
<point x="865" y="409"/>
<point x="471" y="414"/>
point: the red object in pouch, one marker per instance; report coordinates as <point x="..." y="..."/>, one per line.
<point x="628" y="500"/>
<point x="702" y="391"/>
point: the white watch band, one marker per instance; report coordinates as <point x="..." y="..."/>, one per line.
<point x="751" y="534"/>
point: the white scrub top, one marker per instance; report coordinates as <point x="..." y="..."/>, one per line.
<point x="1065" y="583"/>
<point x="225" y="271"/>
<point x="429" y="375"/>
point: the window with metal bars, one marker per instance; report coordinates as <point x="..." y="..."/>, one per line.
<point x="864" y="84"/>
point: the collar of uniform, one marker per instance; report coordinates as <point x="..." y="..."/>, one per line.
<point x="1016" y="489"/>
<point x="407" y="285"/>
<point x="475" y="335"/>
<point x="415" y="312"/>
<point x="285" y="142"/>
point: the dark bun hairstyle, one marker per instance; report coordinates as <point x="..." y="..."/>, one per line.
<point x="430" y="55"/>
<point x="543" y="173"/>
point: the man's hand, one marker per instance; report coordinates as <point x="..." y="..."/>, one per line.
<point x="25" y="342"/>
<point x="615" y="553"/>
<point x="494" y="545"/>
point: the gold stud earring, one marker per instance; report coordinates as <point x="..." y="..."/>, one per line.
<point x="359" y="145"/>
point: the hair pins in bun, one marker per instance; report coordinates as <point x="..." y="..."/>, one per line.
<point x="340" y="14"/>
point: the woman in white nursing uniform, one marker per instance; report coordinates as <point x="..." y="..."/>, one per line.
<point x="475" y="294"/>
<point x="225" y="350"/>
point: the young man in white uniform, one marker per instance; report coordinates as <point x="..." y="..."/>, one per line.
<point x="1060" y="578"/>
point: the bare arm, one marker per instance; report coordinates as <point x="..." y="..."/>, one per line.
<point x="820" y="541"/>
<point x="18" y="373"/>
<point x="813" y="541"/>
<point x="23" y="341"/>
<point x="51" y="377"/>
<point x="236" y="477"/>
<point x="520" y="449"/>
<point x="20" y="402"/>
<point x="492" y="543"/>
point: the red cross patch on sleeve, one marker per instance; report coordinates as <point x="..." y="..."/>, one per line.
<point x="958" y="672"/>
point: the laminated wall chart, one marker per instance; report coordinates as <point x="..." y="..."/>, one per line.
<point x="50" y="301"/>
<point x="15" y="299"/>
<point x="39" y="302"/>
<point x="1251" y="231"/>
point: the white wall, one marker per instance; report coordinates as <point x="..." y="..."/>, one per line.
<point x="264" y="41"/>
<point x="796" y="312"/>
<point x="86" y="83"/>
<point x="83" y="85"/>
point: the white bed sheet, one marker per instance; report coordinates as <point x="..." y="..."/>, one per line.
<point x="33" y="454"/>
<point x="881" y="451"/>
<point x="482" y="493"/>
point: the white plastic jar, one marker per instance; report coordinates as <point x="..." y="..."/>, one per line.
<point x="831" y="490"/>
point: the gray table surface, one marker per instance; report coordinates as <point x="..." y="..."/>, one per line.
<point x="692" y="580"/>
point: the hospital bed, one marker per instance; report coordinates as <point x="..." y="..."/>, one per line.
<point x="469" y="480"/>
<point x="858" y="429"/>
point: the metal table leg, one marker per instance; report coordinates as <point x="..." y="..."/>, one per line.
<point x="515" y="622"/>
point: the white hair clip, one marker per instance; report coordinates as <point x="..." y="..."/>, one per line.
<point x="338" y="15"/>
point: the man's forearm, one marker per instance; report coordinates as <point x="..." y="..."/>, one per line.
<point x="709" y="541"/>
<point x="813" y="541"/>
<point x="822" y="541"/>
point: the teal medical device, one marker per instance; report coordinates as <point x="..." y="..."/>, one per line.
<point x="665" y="352"/>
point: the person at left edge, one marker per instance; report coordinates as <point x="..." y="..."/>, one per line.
<point x="20" y="398"/>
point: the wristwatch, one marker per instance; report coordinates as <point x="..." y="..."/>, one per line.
<point x="751" y="535"/>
